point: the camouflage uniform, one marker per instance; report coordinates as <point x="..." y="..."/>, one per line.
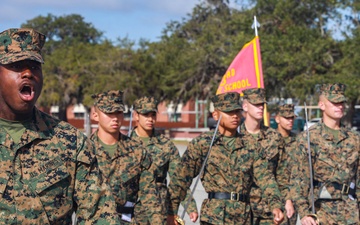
<point x="52" y="171"/>
<point x="335" y="163"/>
<point x="230" y="169"/>
<point x="286" y="162"/>
<point x="268" y="142"/>
<point x="123" y="169"/>
<point x="166" y="159"/>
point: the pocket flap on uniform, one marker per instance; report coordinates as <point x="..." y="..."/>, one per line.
<point x="324" y="161"/>
<point x="132" y="173"/>
<point x="47" y="179"/>
<point x="4" y="178"/>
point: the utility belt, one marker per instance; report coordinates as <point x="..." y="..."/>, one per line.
<point x="161" y="180"/>
<point x="233" y="196"/>
<point x="345" y="189"/>
<point x="125" y="209"/>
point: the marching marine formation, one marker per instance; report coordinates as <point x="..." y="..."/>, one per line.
<point x="121" y="160"/>
<point x="48" y="168"/>
<point x="230" y="170"/>
<point x="335" y="165"/>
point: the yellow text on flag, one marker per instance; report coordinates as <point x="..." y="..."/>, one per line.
<point x="233" y="85"/>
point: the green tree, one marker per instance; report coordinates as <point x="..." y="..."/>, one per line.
<point x="346" y="70"/>
<point x="197" y="52"/>
<point x="64" y="30"/>
<point x="297" y="49"/>
<point x="68" y="37"/>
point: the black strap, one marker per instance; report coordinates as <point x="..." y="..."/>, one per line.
<point x="352" y="191"/>
<point x="344" y="188"/>
<point x="229" y="196"/>
<point x="125" y="210"/>
<point x="161" y="180"/>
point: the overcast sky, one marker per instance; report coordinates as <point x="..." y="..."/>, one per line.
<point x="115" y="18"/>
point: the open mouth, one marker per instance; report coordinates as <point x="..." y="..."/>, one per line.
<point x="27" y="93"/>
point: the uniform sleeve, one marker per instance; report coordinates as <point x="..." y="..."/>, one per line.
<point x="358" y="169"/>
<point x="175" y="161"/>
<point x="283" y="172"/>
<point x="192" y="207"/>
<point x="180" y="182"/>
<point x="299" y="182"/>
<point x="92" y="196"/>
<point x="148" y="195"/>
<point x="265" y="179"/>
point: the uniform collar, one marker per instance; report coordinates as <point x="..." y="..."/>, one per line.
<point x="219" y="138"/>
<point x="261" y="135"/>
<point x="42" y="126"/>
<point x="328" y="136"/>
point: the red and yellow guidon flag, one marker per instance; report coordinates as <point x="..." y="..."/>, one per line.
<point x="245" y="71"/>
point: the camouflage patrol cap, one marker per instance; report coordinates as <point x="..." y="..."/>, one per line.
<point x="255" y="95"/>
<point x="286" y="110"/>
<point x="145" y="105"/>
<point x="227" y="102"/>
<point x="333" y="92"/>
<point x="21" y="44"/>
<point x="109" y="101"/>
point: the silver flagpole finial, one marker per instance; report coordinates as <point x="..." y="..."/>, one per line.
<point x="255" y="25"/>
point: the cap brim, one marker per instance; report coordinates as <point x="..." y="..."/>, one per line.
<point x="20" y="57"/>
<point x="230" y="109"/>
<point x="111" y="110"/>
<point x="288" y="116"/>
<point x="337" y="99"/>
<point x="144" y="111"/>
<point x="257" y="102"/>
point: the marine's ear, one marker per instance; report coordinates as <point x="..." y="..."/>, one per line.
<point x="321" y="102"/>
<point x="95" y="115"/>
<point x="136" y="115"/>
<point x="245" y="105"/>
<point x="216" y="115"/>
<point x="277" y="119"/>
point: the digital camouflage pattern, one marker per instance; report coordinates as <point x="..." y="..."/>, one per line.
<point x="270" y="143"/>
<point x="284" y="173"/>
<point x="227" y="102"/>
<point x="333" y="92"/>
<point x="286" y="110"/>
<point x="109" y="101"/>
<point x="166" y="159"/>
<point x="48" y="175"/>
<point x="21" y="44"/>
<point x="145" y="105"/>
<point x="254" y="95"/>
<point x="229" y="169"/>
<point x="285" y="166"/>
<point x="334" y="159"/>
<point x="123" y="170"/>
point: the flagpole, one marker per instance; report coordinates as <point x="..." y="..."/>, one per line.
<point x="245" y="71"/>
<point x="266" y="118"/>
